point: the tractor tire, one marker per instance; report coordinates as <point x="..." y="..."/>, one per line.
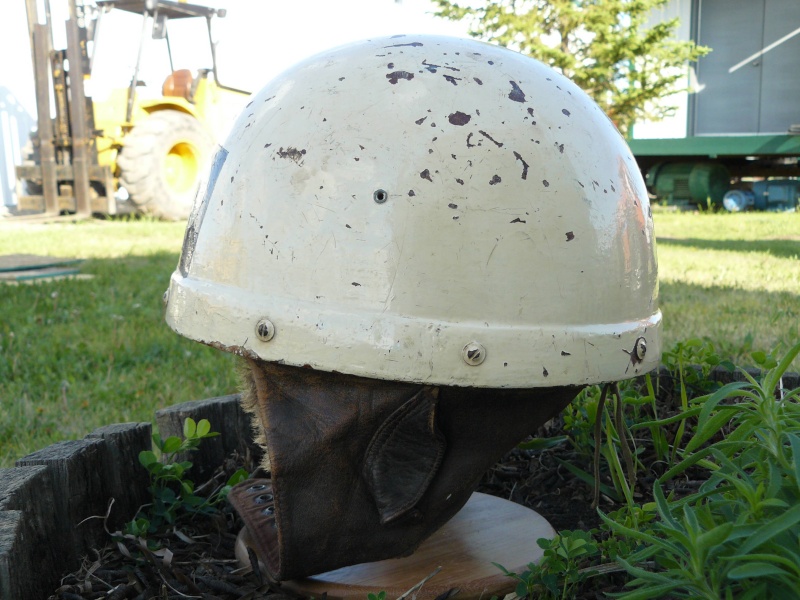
<point x="161" y="162"/>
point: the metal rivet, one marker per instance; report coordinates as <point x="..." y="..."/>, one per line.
<point x="473" y="354"/>
<point x="265" y="330"/>
<point x="257" y="487"/>
<point x="380" y="196"/>
<point x="269" y="511"/>
<point x="263" y="499"/>
<point x="640" y="349"/>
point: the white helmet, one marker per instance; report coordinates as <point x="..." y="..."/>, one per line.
<point x="425" y="209"/>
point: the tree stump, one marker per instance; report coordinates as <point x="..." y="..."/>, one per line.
<point x="55" y="502"/>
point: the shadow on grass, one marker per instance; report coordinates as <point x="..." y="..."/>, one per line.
<point x="736" y="321"/>
<point x="779" y="248"/>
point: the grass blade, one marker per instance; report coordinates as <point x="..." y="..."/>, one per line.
<point x="774" y="375"/>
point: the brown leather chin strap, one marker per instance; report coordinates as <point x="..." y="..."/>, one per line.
<point x="363" y="469"/>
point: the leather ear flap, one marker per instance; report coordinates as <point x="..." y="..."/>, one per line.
<point x="404" y="455"/>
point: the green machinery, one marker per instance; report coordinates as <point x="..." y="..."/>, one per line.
<point x="741" y="138"/>
<point x="737" y="172"/>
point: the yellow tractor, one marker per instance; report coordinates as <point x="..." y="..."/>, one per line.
<point x="120" y="151"/>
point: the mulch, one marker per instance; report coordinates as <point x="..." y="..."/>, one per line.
<point x="196" y="558"/>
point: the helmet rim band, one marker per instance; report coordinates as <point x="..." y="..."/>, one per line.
<point x="385" y="345"/>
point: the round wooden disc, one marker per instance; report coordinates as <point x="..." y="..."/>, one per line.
<point x="487" y="530"/>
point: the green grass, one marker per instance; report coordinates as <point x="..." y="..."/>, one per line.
<point x="75" y="355"/>
<point x="733" y="278"/>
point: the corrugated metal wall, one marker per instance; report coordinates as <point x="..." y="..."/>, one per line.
<point x="750" y="82"/>
<point x="15" y="126"/>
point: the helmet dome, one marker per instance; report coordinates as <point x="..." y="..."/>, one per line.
<point x="425" y="209"/>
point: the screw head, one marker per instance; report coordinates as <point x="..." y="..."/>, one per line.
<point x="640" y="349"/>
<point x="473" y="354"/>
<point x="265" y="330"/>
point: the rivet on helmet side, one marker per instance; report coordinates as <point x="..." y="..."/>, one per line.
<point x="640" y="349"/>
<point x="265" y="330"/>
<point x="473" y="354"/>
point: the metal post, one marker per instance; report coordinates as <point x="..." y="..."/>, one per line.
<point x="134" y="79"/>
<point x="169" y="52"/>
<point x="77" y="112"/>
<point x="33" y="19"/>
<point x="59" y="78"/>
<point x="694" y="35"/>
<point x="96" y="35"/>
<point x="41" y="63"/>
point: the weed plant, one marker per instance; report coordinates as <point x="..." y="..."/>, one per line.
<point x="735" y="447"/>
<point x="559" y="574"/>
<point x="737" y="536"/>
<point x="173" y="494"/>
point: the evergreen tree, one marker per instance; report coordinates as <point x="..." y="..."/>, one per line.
<point x="607" y="47"/>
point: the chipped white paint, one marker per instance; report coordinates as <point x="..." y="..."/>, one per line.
<point x="513" y="214"/>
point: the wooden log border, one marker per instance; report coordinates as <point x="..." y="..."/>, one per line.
<point x="54" y="504"/>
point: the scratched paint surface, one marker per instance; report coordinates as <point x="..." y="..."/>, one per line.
<point x="513" y="213"/>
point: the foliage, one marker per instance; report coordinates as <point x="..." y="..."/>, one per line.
<point x="690" y="363"/>
<point x="605" y="46"/>
<point x="737" y="536"/>
<point x="732" y="534"/>
<point x="174" y="495"/>
<point x="558" y="574"/>
<point x="617" y="412"/>
<point x="694" y="352"/>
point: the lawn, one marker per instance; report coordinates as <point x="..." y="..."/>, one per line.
<point x="733" y="278"/>
<point x="77" y="354"/>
